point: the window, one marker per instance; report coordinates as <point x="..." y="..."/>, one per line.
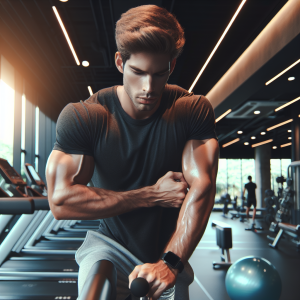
<point x="37" y="124"/>
<point x="221" y="183"/>
<point x="23" y="137"/>
<point x="7" y="103"/>
<point x="234" y="177"/>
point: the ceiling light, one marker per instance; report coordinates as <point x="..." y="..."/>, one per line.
<point x="289" y="130"/>
<point x="257" y="112"/>
<point x="246" y="143"/>
<point x="223" y="115"/>
<point x="66" y="34"/>
<point x="274" y="147"/>
<point x="292" y="65"/>
<point x="289" y="138"/>
<point x="280" y="124"/>
<point x="240" y="132"/>
<point x="63" y="0"/>
<point x="253" y="137"/>
<point x="90" y="90"/>
<point x="230" y="143"/>
<point x="217" y="45"/>
<point x="289" y="103"/>
<point x="285" y="145"/>
<point x="262" y="133"/>
<point x="262" y="143"/>
<point x="85" y="63"/>
<point x="291" y="78"/>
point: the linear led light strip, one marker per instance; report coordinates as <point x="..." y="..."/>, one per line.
<point x="223" y="115"/>
<point x="90" y="90"/>
<point x="66" y="34"/>
<point x="280" y="124"/>
<point x="285" y="145"/>
<point x="278" y="75"/>
<point x="289" y="103"/>
<point x="217" y="45"/>
<point x="230" y="143"/>
<point x="261" y="143"/>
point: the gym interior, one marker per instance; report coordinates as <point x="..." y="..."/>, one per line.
<point x="244" y="56"/>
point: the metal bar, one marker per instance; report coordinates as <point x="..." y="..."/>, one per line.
<point x="58" y="48"/>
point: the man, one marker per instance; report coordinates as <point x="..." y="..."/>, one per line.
<point x="151" y="152"/>
<point x="251" y="198"/>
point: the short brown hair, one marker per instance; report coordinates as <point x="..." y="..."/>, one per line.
<point x="149" y="28"/>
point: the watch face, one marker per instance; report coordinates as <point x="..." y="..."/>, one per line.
<point x="172" y="258"/>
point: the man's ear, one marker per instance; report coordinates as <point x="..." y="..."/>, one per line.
<point x="119" y="62"/>
<point x="173" y="63"/>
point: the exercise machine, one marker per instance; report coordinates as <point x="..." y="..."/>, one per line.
<point x="224" y="241"/>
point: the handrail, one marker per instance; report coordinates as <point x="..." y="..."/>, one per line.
<point x="22" y="205"/>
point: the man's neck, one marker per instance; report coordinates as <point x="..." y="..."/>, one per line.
<point x="129" y="107"/>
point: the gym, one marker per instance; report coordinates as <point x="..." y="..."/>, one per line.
<point x="108" y="190"/>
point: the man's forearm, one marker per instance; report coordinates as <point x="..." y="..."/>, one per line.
<point x="192" y="221"/>
<point x="80" y="202"/>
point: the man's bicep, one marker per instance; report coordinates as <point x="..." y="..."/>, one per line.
<point x="64" y="170"/>
<point x="200" y="161"/>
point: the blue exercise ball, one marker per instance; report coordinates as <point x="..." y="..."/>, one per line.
<point x="253" y="278"/>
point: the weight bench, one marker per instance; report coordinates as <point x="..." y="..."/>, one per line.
<point x="224" y="241"/>
<point x="285" y="227"/>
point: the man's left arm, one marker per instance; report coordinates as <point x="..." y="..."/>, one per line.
<point x="200" y="167"/>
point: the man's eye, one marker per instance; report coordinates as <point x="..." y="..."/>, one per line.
<point x="138" y="73"/>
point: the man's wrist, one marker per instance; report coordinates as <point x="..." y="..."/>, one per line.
<point x="149" y="196"/>
<point x="174" y="271"/>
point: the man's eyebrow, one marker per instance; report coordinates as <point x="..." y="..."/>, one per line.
<point x="139" y="70"/>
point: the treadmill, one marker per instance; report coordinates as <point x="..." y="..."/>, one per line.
<point x="35" y="211"/>
<point x="30" y="285"/>
<point x="18" y="187"/>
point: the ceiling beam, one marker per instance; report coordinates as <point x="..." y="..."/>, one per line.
<point x="280" y="31"/>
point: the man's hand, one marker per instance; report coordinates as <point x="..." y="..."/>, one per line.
<point x="171" y="190"/>
<point x="159" y="276"/>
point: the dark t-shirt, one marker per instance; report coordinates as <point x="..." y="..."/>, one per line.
<point x="130" y="154"/>
<point x="250" y="187"/>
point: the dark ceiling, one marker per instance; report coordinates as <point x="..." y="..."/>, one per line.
<point x="31" y="36"/>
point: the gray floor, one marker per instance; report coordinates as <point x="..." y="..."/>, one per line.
<point x="209" y="284"/>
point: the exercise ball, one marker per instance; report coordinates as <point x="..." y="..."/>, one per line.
<point x="253" y="278"/>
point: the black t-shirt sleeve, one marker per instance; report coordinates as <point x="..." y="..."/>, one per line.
<point x="73" y="134"/>
<point x="201" y="120"/>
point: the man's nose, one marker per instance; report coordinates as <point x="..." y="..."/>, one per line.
<point x="148" y="84"/>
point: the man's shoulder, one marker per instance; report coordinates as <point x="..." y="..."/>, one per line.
<point x="100" y="96"/>
<point x="177" y="92"/>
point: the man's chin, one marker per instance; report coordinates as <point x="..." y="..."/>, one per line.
<point x="145" y="107"/>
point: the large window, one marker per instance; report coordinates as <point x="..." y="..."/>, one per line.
<point x="7" y="103"/>
<point x="233" y="175"/>
<point x="23" y="132"/>
<point x="37" y="126"/>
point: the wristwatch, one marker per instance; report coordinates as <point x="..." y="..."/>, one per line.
<point x="173" y="260"/>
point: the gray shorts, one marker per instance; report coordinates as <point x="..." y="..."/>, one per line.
<point x="97" y="246"/>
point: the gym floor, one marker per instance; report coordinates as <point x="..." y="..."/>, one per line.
<point x="210" y="284"/>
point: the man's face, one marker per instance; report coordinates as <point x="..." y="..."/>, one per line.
<point x="144" y="79"/>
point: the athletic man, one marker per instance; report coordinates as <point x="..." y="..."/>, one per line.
<point x="251" y="198"/>
<point x="151" y="152"/>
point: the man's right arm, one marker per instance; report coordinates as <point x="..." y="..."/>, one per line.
<point x="70" y="199"/>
